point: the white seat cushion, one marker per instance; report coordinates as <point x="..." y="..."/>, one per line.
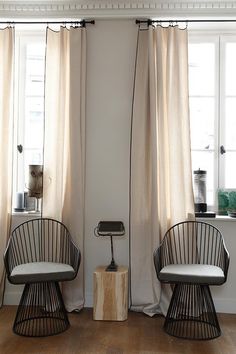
<point x="41" y="271"/>
<point x="192" y="273"/>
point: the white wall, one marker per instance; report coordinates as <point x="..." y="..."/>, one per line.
<point x="225" y="295"/>
<point x="110" y="71"/>
<point x="111" y="57"/>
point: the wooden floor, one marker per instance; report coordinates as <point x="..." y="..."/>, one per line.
<point x="138" y="335"/>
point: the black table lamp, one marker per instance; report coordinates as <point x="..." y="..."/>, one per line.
<point x="110" y="228"/>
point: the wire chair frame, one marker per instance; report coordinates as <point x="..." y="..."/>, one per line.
<point x="191" y="313"/>
<point x="41" y="240"/>
<point x="192" y="242"/>
<point x="41" y="311"/>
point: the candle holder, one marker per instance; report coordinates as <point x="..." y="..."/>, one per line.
<point x="19" y="203"/>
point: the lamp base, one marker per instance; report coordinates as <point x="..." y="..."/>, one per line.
<point x="112" y="267"/>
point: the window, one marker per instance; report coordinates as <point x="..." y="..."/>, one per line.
<point x="212" y="91"/>
<point x="28" y="105"/>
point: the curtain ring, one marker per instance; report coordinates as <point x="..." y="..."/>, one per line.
<point x="184" y="27"/>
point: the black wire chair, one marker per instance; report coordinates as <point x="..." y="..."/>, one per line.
<point x="40" y="254"/>
<point x="192" y="256"/>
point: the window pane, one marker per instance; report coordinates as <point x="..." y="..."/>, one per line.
<point x="205" y="161"/>
<point x="202" y="101"/>
<point x="230" y="169"/>
<point x="34" y="119"/>
<point x="35" y="69"/>
<point x="202" y="69"/>
<point x="212" y="97"/>
<point x="230" y="123"/>
<point x="230" y="69"/>
<point x="202" y="123"/>
<point x="34" y="106"/>
<point x="228" y="160"/>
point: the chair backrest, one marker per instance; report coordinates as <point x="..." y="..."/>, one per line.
<point x="40" y="240"/>
<point x="193" y="242"/>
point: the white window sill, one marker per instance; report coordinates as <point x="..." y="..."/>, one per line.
<point x="26" y="213"/>
<point x="218" y="218"/>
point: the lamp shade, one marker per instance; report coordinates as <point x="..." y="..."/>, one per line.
<point x="35" y="185"/>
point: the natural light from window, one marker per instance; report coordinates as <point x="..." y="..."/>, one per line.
<point x="212" y="93"/>
<point x="28" y="105"/>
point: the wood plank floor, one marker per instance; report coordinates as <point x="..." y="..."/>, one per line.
<point x="140" y="334"/>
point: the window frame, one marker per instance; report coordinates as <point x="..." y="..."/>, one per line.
<point x="23" y="37"/>
<point x="219" y="38"/>
<point x="224" y="39"/>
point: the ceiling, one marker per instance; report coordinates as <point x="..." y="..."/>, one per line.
<point x="116" y="9"/>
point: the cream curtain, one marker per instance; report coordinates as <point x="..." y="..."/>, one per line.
<point x="6" y="134"/>
<point x="64" y="148"/>
<point x="161" y="180"/>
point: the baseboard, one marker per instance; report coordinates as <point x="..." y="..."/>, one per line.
<point x="12" y="297"/>
<point x="88" y="300"/>
<point x="221" y="305"/>
<point x="225" y="305"/>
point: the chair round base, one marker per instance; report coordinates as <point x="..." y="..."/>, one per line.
<point x="41" y="311"/>
<point x="191" y="314"/>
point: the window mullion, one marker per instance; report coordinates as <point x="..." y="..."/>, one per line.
<point x="21" y="122"/>
<point x="221" y="119"/>
<point x="19" y="114"/>
<point x="16" y="166"/>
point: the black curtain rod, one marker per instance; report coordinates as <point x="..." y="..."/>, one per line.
<point x="150" y="22"/>
<point x="81" y="23"/>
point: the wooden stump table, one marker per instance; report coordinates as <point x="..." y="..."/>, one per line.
<point x="110" y="300"/>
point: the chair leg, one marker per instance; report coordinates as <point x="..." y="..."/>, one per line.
<point x="41" y="311"/>
<point x="191" y="313"/>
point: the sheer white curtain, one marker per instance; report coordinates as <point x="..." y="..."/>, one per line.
<point x="6" y="134"/>
<point x="64" y="149"/>
<point x="161" y="180"/>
